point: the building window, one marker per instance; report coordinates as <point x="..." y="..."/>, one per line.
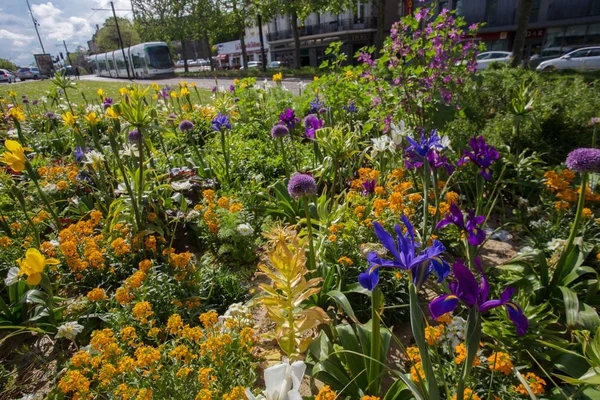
<point x="593" y="34"/>
<point x="554" y="37"/>
<point x="575" y="35"/>
<point x="359" y="16"/>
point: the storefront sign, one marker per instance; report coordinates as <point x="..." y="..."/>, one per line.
<point x="535" y="33"/>
<point x="503" y="35"/>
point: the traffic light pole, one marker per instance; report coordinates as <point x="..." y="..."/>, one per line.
<point x="120" y="40"/>
<point x="35" y="25"/>
<point x="68" y="54"/>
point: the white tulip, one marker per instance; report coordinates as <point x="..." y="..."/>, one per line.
<point x="398" y="132"/>
<point x="282" y="382"/>
<point x="12" y="277"/>
<point x="382" y="144"/>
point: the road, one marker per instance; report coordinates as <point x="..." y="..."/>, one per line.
<point x="293" y="84"/>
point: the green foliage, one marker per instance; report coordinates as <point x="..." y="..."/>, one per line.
<point x="107" y="38"/>
<point x="7" y="64"/>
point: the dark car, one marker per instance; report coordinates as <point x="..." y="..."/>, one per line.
<point x="548" y="53"/>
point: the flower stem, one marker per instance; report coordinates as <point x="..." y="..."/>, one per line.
<point x="425" y="199"/>
<point x="374" y="366"/>
<point x="21" y="201"/>
<point x="311" y="255"/>
<point x="141" y="177"/>
<point x="284" y="156"/>
<point x="31" y="173"/>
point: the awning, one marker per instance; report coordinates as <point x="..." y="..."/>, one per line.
<point x="222" y="57"/>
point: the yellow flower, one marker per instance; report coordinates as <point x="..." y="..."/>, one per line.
<point x="34" y="265"/>
<point x="11" y="94"/>
<point x="349" y="74"/>
<point x="15" y="156"/>
<point x="316" y="78"/>
<point x="174" y="95"/>
<point x="92" y="118"/>
<point x="277" y="77"/>
<point x="69" y="118"/>
<point x="123" y="91"/>
<point x="17" y="114"/>
<point x="236" y="81"/>
<point x="155" y="87"/>
<point x="184" y="91"/>
<point x="100" y="93"/>
<point x="193" y="84"/>
<point x="111" y="113"/>
<point x="183" y="84"/>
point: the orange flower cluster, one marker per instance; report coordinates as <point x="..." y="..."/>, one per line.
<point x="560" y="184"/>
<point x="182" y="263"/>
<point x="461" y="355"/>
<point x="215" y="347"/>
<point x="536" y="383"/>
<point x="363" y="175"/>
<point x="142" y="311"/>
<point x="346" y="261"/>
<point x="469" y="395"/>
<point x="433" y="334"/>
<point x="335" y="229"/>
<point x="210" y="208"/>
<point x="59" y="175"/>
<point x="500" y="362"/>
<point x="326" y="394"/>
<point x="81" y="247"/>
<point x="96" y="294"/>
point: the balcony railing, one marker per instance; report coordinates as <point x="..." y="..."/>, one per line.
<point x="327" y="27"/>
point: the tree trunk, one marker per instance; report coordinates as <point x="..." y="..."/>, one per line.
<point x="243" y="46"/>
<point x="296" y="33"/>
<point x="210" y="59"/>
<point x="380" y="26"/>
<point x="184" y="55"/>
<point x="523" y="14"/>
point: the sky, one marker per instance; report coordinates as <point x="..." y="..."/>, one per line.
<point x="73" y="21"/>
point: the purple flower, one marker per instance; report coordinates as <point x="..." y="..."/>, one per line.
<point x="436" y="160"/>
<point x="107" y="102"/>
<point x="186" y="125"/>
<point x="584" y="160"/>
<point x="214" y="89"/>
<point x="51" y="116"/>
<point x="311" y="124"/>
<point x="472" y="226"/>
<point x="315" y="105"/>
<point x="171" y="118"/>
<point x="164" y="93"/>
<point x="25" y="101"/>
<point x="416" y="154"/>
<point x="302" y="184"/>
<point x="288" y="118"/>
<point x="79" y="154"/>
<point x="351" y="108"/>
<point x="322" y="110"/>
<point x="231" y="88"/>
<point x="369" y="186"/>
<point x="134" y="136"/>
<point x="279" y="131"/>
<point x="219" y="122"/>
<point x="466" y="290"/>
<point x="35" y="102"/>
<point x="482" y="155"/>
<point x="404" y="254"/>
<point x="595" y="121"/>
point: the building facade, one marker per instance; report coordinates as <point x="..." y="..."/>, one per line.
<point x="553" y="23"/>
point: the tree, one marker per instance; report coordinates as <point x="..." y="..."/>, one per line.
<point x="7" y="64"/>
<point x="107" y="38"/>
<point x="523" y="14"/>
<point x="380" y="26"/>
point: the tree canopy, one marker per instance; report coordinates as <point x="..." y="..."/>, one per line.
<point x="107" y="38"/>
<point x="7" y="64"/>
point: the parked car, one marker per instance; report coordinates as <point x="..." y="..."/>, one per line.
<point x="7" y="76"/>
<point x="278" y="64"/>
<point x="204" y="65"/>
<point x="191" y="63"/>
<point x="29" y="73"/>
<point x="486" y="58"/>
<point x="586" y="59"/>
<point x="546" y="54"/>
<point x="253" y="64"/>
<point x="179" y="63"/>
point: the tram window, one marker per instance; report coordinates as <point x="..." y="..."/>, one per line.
<point x="136" y="61"/>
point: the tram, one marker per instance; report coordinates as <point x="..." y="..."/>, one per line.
<point x="144" y="61"/>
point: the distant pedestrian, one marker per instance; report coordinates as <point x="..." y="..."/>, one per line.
<point x="77" y="72"/>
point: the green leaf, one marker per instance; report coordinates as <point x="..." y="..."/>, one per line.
<point x="341" y="299"/>
<point x="578" y="314"/>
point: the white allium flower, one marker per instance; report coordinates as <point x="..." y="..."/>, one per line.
<point x="192" y="216"/>
<point x="12" y="277"/>
<point x="245" y="229"/>
<point x="282" y="382"/>
<point x="532" y="210"/>
<point x="69" y="330"/>
<point x="183" y="185"/>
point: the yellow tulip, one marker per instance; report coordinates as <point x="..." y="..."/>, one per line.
<point x="69" y="119"/>
<point x="155" y="87"/>
<point x="183" y="84"/>
<point x="192" y="84"/>
<point x="33" y="265"/>
<point x="236" y="81"/>
<point x="100" y="93"/>
<point x="17" y="114"/>
<point x="174" y="95"/>
<point x="111" y="113"/>
<point x="11" y="93"/>
<point x="92" y="118"/>
<point x="15" y="156"/>
<point x="277" y="77"/>
<point x="123" y="91"/>
<point x="185" y="91"/>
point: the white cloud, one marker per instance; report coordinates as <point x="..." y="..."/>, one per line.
<point x="4" y="34"/>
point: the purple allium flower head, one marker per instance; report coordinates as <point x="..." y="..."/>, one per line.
<point x="279" y="130"/>
<point x="584" y="160"/>
<point x="171" y="118"/>
<point x="79" y="154"/>
<point x="107" y="102"/>
<point x="482" y="155"/>
<point x="302" y="184"/>
<point x="214" y="89"/>
<point x="186" y="125"/>
<point x="311" y="124"/>
<point x="35" y="102"/>
<point x="219" y="122"/>
<point x="288" y="118"/>
<point x="25" y="101"/>
<point x="134" y="136"/>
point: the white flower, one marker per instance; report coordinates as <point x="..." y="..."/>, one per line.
<point x="12" y="277"/>
<point x="93" y="157"/>
<point x="382" y="144"/>
<point x="43" y="99"/>
<point x="130" y="150"/>
<point x="69" y="330"/>
<point x="526" y="249"/>
<point x="554" y="244"/>
<point x="398" y="132"/>
<point x="282" y="382"/>
<point x="50" y="188"/>
<point x="12" y="133"/>
<point x="192" y="216"/>
<point x="245" y="229"/>
<point x="183" y="185"/>
<point x="445" y="142"/>
<point x="55" y="243"/>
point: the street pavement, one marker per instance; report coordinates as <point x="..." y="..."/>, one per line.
<point x="293" y="84"/>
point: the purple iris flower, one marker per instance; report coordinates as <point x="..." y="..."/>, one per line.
<point x="219" y="122"/>
<point x="351" y="108"/>
<point x="476" y="234"/>
<point x="436" y="160"/>
<point x="315" y="106"/>
<point x="107" y="102"/>
<point x="231" y="88"/>
<point x="467" y="290"/>
<point x="79" y="154"/>
<point x="369" y="186"/>
<point x="405" y="257"/>
<point x="288" y="118"/>
<point x="417" y="152"/>
<point x="214" y="89"/>
<point x="164" y="93"/>
<point x="311" y="124"/>
<point x="482" y="155"/>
